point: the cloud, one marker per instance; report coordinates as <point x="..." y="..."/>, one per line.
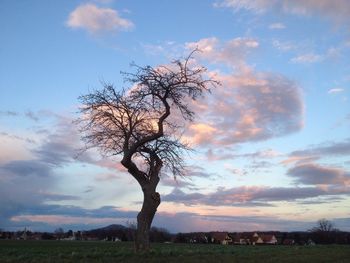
<point x="28" y="178"/>
<point x="31" y="115"/>
<point x="263" y="154"/>
<point x="232" y="52"/>
<point x="96" y="20"/>
<point x="249" y="196"/>
<point x="249" y="105"/>
<point x="223" y="154"/>
<point x="337" y="11"/>
<point x="307" y="58"/>
<point x="299" y="159"/>
<point x="218" y="154"/>
<point x="27" y="168"/>
<point x="284" y="46"/>
<point x="8" y="113"/>
<point x="47" y="218"/>
<point x="277" y="26"/>
<point x="313" y="174"/>
<point x="322" y="150"/>
<point x="335" y="90"/>
<point x="316" y="152"/>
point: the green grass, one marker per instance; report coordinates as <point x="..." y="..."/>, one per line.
<point x="75" y="251"/>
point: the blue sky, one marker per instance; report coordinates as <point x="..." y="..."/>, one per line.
<point x="272" y="142"/>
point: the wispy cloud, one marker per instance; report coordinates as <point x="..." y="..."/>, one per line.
<point x="8" y="113"/>
<point x="48" y="217"/>
<point x="335" y="90"/>
<point x="95" y="19"/>
<point x="277" y="26"/>
<point x="341" y="148"/>
<point x="284" y="45"/>
<point x="251" y="196"/>
<point x="233" y="52"/>
<point x="337" y="11"/>
<point x="31" y="115"/>
<point x="316" y="152"/>
<point x="307" y="58"/>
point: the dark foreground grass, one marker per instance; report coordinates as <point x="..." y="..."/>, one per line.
<point x="75" y="251"/>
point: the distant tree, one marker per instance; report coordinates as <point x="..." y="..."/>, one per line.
<point x="324" y="232"/>
<point x="135" y="124"/>
<point x="69" y="233"/>
<point x="47" y="236"/>
<point x="59" y="232"/>
<point x="159" y="235"/>
<point x="323" y="225"/>
<point x="180" y="238"/>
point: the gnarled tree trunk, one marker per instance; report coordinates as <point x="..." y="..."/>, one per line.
<point x="151" y="201"/>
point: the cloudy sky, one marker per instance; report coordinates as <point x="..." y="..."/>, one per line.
<point x="272" y="143"/>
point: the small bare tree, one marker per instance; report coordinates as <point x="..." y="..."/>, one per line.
<point x="135" y="124"/>
<point x="323" y="225"/>
<point x="324" y="232"/>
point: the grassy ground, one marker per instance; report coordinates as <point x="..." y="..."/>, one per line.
<point x="74" y="251"/>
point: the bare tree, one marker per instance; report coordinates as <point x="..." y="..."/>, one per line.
<point x="135" y="124"/>
<point x="323" y="225"/>
<point x="324" y="232"/>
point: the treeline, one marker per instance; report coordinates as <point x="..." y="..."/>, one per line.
<point x="286" y="238"/>
<point x="161" y="235"/>
<point x="109" y="233"/>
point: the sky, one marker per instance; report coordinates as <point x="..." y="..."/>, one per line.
<point x="271" y="143"/>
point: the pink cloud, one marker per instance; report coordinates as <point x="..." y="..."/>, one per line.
<point x="95" y="19"/>
<point x="245" y="196"/>
<point x="299" y="160"/>
<point x="111" y="164"/>
<point x="232" y="52"/>
<point x="250" y="107"/>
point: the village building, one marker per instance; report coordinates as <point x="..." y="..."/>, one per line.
<point x="221" y="238"/>
<point x="254" y="239"/>
<point x="269" y="239"/>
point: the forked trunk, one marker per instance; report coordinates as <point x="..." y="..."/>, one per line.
<point x="151" y="200"/>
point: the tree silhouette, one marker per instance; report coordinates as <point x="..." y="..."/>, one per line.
<point x="135" y="124"/>
<point x="325" y="232"/>
<point x="323" y="225"/>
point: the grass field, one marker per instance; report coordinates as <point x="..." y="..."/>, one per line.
<point x="68" y="251"/>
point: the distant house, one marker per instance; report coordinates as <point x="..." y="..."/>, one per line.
<point x="269" y="239"/>
<point x="256" y="239"/>
<point x="199" y="238"/>
<point x="241" y="239"/>
<point x="221" y="238"/>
